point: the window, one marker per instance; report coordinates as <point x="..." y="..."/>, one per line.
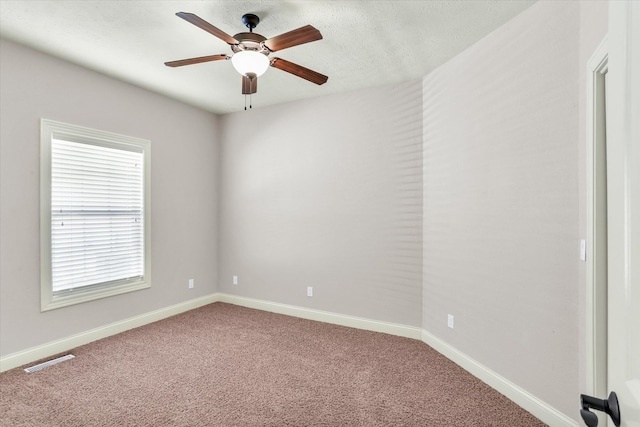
<point x="94" y="214"/>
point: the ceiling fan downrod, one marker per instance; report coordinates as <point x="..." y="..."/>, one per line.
<point x="250" y="21"/>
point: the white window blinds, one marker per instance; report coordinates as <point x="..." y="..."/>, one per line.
<point x="97" y="215"/>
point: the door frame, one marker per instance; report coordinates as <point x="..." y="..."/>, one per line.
<point x="596" y="225"/>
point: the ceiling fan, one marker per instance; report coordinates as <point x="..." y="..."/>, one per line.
<point x="251" y="51"/>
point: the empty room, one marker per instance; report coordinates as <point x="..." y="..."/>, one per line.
<point x="338" y="213"/>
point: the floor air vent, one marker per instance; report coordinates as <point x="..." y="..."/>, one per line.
<point x="43" y="365"/>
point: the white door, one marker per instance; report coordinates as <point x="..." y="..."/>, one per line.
<point x="623" y="197"/>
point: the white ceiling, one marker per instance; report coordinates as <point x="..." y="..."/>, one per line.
<point x="365" y="44"/>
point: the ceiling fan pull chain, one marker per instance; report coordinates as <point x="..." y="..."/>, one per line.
<point x="245" y="102"/>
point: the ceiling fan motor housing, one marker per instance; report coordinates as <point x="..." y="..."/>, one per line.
<point x="250" y="41"/>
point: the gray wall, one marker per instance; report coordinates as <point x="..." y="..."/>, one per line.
<point x="501" y="233"/>
<point x="184" y="156"/>
<point x="326" y="193"/>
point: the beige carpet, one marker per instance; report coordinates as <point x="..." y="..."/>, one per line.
<point x="223" y="365"/>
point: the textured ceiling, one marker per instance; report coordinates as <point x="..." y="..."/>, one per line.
<point x="365" y="44"/>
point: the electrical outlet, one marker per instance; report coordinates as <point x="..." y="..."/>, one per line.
<point x="309" y="291"/>
<point x="450" y="320"/>
<point x="235" y="280"/>
<point x="191" y="283"/>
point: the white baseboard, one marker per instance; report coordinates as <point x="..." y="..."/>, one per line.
<point x="49" y="349"/>
<point x="324" y="316"/>
<point x="543" y="411"/>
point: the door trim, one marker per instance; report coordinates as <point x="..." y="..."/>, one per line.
<point x="596" y="223"/>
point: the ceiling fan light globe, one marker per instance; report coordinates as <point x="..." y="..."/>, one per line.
<point x="249" y="61"/>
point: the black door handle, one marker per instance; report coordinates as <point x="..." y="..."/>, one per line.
<point x="608" y="406"/>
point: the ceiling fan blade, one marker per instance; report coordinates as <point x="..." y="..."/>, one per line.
<point x="302" y="35"/>
<point x="201" y="23"/>
<point x="299" y="70"/>
<point x="197" y="60"/>
<point x="249" y="85"/>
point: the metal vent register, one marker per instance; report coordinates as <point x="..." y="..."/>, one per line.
<point x="36" y="368"/>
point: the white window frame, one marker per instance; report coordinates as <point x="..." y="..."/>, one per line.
<point x="49" y="130"/>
